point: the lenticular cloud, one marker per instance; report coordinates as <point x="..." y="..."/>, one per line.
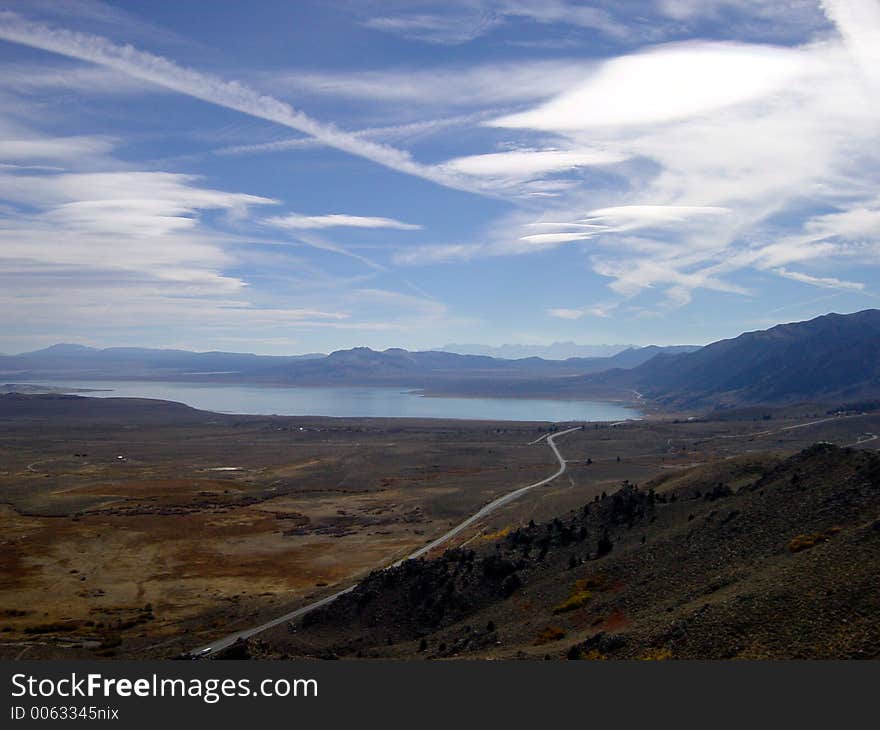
<point x="665" y="84"/>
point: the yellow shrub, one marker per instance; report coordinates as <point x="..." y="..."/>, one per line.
<point x="657" y="655"/>
<point x="593" y="655"/>
<point x="491" y="536"/>
<point x="576" y="600"/>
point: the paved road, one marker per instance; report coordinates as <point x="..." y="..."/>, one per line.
<point x="495" y="504"/>
<point x="863" y="439"/>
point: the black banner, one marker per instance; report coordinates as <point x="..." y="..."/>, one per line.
<point x="418" y="694"/>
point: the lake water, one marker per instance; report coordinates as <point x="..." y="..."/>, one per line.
<point x="365" y="402"/>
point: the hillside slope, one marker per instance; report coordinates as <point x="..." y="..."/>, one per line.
<point x="753" y="558"/>
<point x="831" y="357"/>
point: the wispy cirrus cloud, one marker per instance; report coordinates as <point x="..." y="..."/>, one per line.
<point x="131" y="250"/>
<point x="603" y="310"/>
<point x="433" y="28"/>
<point x="827" y="282"/>
<point x="629" y="217"/>
<point x="145" y="223"/>
<point x="209" y="88"/>
<point x="437" y="254"/>
<point x="660" y="170"/>
<point x="460" y="21"/>
<point x="408" y="132"/>
<point x="769" y="20"/>
<point x="338" y="220"/>
<point x="556" y="23"/>
<point x="107" y="17"/>
<point x="563" y="313"/>
<point x="53" y="148"/>
<point x="447" y="86"/>
<point x="520" y="164"/>
<point x="721" y="139"/>
<point x="623" y="219"/>
<point x="35" y="78"/>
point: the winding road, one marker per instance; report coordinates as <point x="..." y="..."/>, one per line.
<point x="487" y="509"/>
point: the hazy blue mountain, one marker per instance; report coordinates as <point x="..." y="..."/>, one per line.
<point x="356" y="366"/>
<point x="836" y="356"/>
<point x="363" y="365"/>
<point x="833" y="359"/>
<point x="77" y="361"/>
<point x="635" y="356"/>
<point x="553" y="351"/>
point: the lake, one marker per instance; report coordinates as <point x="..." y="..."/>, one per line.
<point x="351" y="401"/>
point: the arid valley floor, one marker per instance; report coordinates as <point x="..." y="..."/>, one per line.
<point x="145" y="529"/>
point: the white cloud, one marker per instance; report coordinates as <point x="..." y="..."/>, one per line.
<point x="170" y="194"/>
<point x="452" y="86"/>
<point x="855" y="223"/>
<point x="631" y="277"/>
<point x="125" y="307"/>
<point x="335" y="220"/>
<point x="665" y="84"/>
<point x="40" y="78"/>
<point x="110" y="254"/>
<point x="603" y="311"/>
<point x="627" y="216"/>
<point x="859" y="23"/>
<point x="460" y="21"/>
<point x="724" y="142"/>
<point x="827" y="282"/>
<point x="57" y="148"/>
<point x="527" y="163"/>
<point x="312" y="240"/>
<point x="567" y="13"/>
<point x="443" y="29"/>
<point x="620" y="219"/>
<point x="209" y="88"/>
<point x="556" y="238"/>
<point x="719" y="153"/>
<point x="408" y="305"/>
<point x="433" y="254"/>
<point x="389" y="133"/>
<point x="776" y="17"/>
<point x="146" y="223"/>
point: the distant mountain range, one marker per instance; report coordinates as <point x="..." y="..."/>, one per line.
<point x="78" y="361"/>
<point x="362" y="365"/>
<point x="554" y="351"/>
<point x="357" y="366"/>
<point x="831" y="359"/>
<point x="834" y="358"/>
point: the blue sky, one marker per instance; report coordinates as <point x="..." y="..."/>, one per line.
<point x="284" y="177"/>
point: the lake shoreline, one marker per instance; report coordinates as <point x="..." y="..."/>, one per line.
<point x="350" y="401"/>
